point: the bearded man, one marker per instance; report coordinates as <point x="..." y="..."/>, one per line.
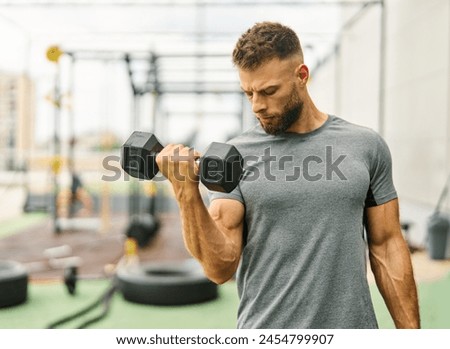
<point x="316" y="195"/>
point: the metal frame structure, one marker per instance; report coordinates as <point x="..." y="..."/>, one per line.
<point x="153" y="86"/>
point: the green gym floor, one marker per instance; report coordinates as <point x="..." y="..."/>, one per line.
<point x="50" y="302"/>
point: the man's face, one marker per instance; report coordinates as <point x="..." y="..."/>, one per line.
<point x="273" y="91"/>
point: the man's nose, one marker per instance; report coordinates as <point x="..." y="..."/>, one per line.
<point x="258" y="104"/>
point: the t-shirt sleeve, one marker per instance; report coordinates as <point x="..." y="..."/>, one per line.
<point x="236" y="194"/>
<point x="381" y="189"/>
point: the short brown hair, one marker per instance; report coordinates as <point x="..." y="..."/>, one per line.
<point x="263" y="42"/>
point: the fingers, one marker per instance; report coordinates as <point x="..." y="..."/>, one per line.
<point x="179" y="152"/>
<point x="177" y="163"/>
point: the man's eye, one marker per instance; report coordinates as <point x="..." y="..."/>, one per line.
<point x="269" y="91"/>
<point x="249" y="95"/>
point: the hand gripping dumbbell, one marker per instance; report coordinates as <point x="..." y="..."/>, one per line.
<point x="221" y="166"/>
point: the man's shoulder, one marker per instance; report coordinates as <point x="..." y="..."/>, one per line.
<point x="355" y="131"/>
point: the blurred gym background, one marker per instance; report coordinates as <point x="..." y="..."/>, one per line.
<point x="77" y="77"/>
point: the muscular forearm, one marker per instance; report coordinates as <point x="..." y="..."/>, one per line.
<point x="392" y="269"/>
<point x="204" y="239"/>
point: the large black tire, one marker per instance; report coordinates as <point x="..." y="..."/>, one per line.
<point x="13" y="283"/>
<point x="165" y="283"/>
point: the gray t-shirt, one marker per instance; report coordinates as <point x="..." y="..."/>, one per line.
<point x="304" y="260"/>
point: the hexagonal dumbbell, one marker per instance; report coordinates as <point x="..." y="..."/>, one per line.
<point x="221" y="166"/>
<point x="138" y="155"/>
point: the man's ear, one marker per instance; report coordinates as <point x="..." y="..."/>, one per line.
<point x="302" y="73"/>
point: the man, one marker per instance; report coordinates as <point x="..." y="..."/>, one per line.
<point x="293" y="229"/>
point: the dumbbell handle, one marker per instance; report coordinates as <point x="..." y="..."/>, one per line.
<point x="131" y="170"/>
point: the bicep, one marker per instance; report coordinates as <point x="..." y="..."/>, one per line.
<point x="383" y="223"/>
<point x="229" y="217"/>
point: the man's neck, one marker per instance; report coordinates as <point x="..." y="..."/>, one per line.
<point x="310" y="119"/>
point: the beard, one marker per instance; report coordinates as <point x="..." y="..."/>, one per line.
<point x="281" y="122"/>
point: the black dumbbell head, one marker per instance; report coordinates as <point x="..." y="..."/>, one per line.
<point x="139" y="152"/>
<point x="221" y="167"/>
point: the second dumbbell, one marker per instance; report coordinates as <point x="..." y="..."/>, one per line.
<point x="221" y="166"/>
